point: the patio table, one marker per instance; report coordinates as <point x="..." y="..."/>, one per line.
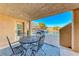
<point x="29" y="40"/>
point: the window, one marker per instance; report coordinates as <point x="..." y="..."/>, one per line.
<point x="20" y="29"/>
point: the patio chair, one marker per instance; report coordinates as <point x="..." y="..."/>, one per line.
<point x="38" y="46"/>
<point x="16" y="51"/>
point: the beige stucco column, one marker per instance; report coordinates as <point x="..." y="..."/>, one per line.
<point x="29" y="28"/>
<point x="75" y="30"/>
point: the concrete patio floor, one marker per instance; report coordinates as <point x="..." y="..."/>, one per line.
<point x="67" y="52"/>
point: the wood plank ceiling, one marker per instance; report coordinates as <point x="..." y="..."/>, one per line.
<point x="34" y="10"/>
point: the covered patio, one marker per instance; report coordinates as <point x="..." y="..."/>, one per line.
<point x="24" y="13"/>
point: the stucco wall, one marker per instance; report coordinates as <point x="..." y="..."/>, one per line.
<point x="8" y="28"/>
<point x="75" y="41"/>
<point x="66" y="35"/>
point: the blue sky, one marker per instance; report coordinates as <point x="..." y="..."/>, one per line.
<point x="56" y="20"/>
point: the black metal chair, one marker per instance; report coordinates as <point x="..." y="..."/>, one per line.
<point x="38" y="46"/>
<point x="16" y="51"/>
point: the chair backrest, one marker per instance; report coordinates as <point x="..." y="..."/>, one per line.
<point x="41" y="42"/>
<point x="38" y="34"/>
<point x="10" y="44"/>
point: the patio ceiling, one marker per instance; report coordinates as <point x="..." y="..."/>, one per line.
<point x="34" y="10"/>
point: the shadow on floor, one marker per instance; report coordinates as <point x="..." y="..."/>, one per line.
<point x="50" y="50"/>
